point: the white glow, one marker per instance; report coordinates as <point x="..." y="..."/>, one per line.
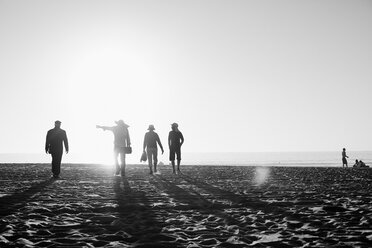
<point x="261" y="175"/>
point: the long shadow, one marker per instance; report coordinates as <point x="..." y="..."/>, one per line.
<point x="193" y="201"/>
<point x="237" y="200"/>
<point x="12" y="203"/>
<point x="214" y="190"/>
<point x="138" y="218"/>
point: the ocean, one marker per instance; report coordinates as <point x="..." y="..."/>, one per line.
<point x="330" y="159"/>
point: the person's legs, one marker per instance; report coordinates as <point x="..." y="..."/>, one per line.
<point x="117" y="166"/>
<point x="56" y="163"/>
<point x="123" y="165"/>
<point x="171" y="158"/>
<point x="155" y="154"/>
<point x="149" y="158"/>
<point x="344" y="162"/>
<point x="178" y="152"/>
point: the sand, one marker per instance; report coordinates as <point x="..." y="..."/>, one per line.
<point x="206" y="206"/>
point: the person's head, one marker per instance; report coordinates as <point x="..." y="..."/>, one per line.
<point x="174" y="126"/>
<point x="343" y="149"/>
<point x="57" y="124"/>
<point x="356" y="160"/>
<point x="151" y="128"/>
<point x="121" y="123"/>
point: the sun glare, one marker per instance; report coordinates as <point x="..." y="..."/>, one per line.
<point x="261" y="175"/>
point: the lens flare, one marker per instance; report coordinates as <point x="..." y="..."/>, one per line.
<point x="261" y="175"/>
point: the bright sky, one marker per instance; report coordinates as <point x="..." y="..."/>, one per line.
<point x="241" y="76"/>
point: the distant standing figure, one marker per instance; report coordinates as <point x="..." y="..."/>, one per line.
<point x="121" y="143"/>
<point x="344" y="156"/>
<point x="151" y="142"/>
<point x="175" y="141"/>
<point x="55" y="139"/>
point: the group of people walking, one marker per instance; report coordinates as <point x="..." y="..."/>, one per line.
<point x="57" y="137"/>
<point x="150" y="148"/>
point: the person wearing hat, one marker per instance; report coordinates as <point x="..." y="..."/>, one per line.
<point x="175" y="141"/>
<point x="151" y="142"/>
<point x="121" y="144"/>
<point x="55" y="139"/>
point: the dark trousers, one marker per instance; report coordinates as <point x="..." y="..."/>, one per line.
<point x="56" y="163"/>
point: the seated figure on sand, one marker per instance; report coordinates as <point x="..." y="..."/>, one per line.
<point x="362" y="164"/>
<point x="121" y="144"/>
<point x="359" y="164"/>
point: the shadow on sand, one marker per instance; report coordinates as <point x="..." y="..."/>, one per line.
<point x="12" y="203"/>
<point x="192" y="200"/>
<point x="138" y="219"/>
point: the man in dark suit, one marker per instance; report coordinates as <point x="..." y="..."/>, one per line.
<point x="55" y="139"/>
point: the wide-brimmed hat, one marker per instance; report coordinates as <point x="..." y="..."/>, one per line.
<point x="174" y="124"/>
<point x="121" y="123"/>
<point x="151" y="127"/>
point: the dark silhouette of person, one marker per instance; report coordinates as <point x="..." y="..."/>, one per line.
<point x="175" y="141"/>
<point x="362" y="164"/>
<point x="55" y="139"/>
<point x="357" y="164"/>
<point x="121" y="143"/>
<point x="151" y="142"/>
<point x="344" y="156"/>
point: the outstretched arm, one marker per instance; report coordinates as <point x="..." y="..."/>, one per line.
<point x="104" y="128"/>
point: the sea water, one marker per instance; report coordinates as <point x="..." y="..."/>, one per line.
<point x="196" y="158"/>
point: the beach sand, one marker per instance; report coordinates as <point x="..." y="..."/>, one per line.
<point x="205" y="206"/>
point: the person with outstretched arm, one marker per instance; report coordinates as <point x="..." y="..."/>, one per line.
<point x="121" y="144"/>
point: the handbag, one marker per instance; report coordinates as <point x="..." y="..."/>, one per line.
<point x="127" y="150"/>
<point x="143" y="157"/>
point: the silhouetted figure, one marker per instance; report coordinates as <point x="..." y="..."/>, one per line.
<point x="151" y="142"/>
<point x="55" y="139"/>
<point x="344" y="156"/>
<point x="175" y="141"/>
<point x="362" y="164"/>
<point x="121" y="144"/>
<point x="357" y="164"/>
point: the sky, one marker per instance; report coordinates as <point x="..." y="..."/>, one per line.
<point x="237" y="76"/>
